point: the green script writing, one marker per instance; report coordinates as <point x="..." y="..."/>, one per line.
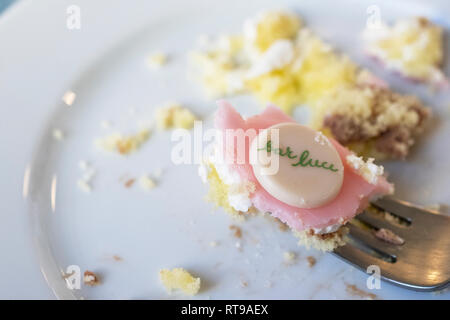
<point x="303" y="160"/>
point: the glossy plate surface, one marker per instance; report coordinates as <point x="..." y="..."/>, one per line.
<point x="104" y="63"/>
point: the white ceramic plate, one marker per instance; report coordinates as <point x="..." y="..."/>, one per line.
<point x="104" y="63"/>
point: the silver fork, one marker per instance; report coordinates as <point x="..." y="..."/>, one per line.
<point x="421" y="263"/>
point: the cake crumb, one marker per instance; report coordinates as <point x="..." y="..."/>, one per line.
<point x="121" y="144"/>
<point x="237" y="232"/>
<point x="84" y="185"/>
<point x="324" y="242"/>
<point x="58" y="135"/>
<point x="174" y="115"/>
<point x="289" y="257"/>
<point x="355" y="291"/>
<point x="281" y="225"/>
<point x="156" y="60"/>
<point x="129" y="183"/>
<point x="147" y="183"/>
<point x="90" y="278"/>
<point x="311" y="261"/>
<point x="389" y="236"/>
<point x="117" y="258"/>
<point x="179" y="279"/>
<point x="244" y="284"/>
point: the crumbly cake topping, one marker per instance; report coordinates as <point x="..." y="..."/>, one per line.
<point x="367" y="114"/>
<point x="275" y="58"/>
<point x="412" y="46"/>
<point x="267" y="27"/>
<point x="279" y="60"/>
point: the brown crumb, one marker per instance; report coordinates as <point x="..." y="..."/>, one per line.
<point x="389" y="236"/>
<point x="129" y="183"/>
<point x="355" y="291"/>
<point x="90" y="278"/>
<point x="237" y="232"/>
<point x="244" y="284"/>
<point x="282" y="226"/>
<point x="311" y="261"/>
<point x="117" y="258"/>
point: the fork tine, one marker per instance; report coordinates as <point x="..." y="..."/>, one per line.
<point x="401" y="208"/>
<point x="367" y="237"/>
<point x="399" y="273"/>
<point x="379" y="222"/>
<point x="357" y="257"/>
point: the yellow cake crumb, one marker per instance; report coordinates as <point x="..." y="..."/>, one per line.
<point x="58" y="134"/>
<point x="270" y="26"/>
<point x="173" y="115"/>
<point x="147" y="182"/>
<point x="289" y="257"/>
<point x="218" y="191"/>
<point x="227" y="65"/>
<point x="313" y="73"/>
<point x="157" y="60"/>
<point x="217" y="65"/>
<point x="180" y="279"/>
<point x="122" y="144"/>
<point x="84" y="185"/>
